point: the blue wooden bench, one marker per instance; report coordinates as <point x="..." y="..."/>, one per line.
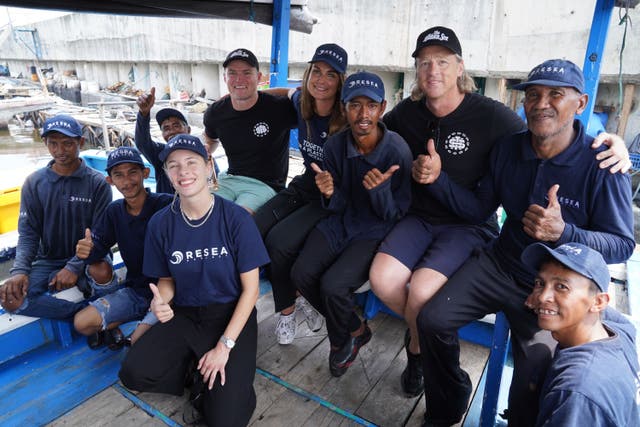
<point x="20" y="334"/>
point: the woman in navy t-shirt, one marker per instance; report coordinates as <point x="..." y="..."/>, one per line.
<point x="206" y="252"/>
<point x="286" y="219"/>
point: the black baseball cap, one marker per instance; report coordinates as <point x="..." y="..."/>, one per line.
<point x="165" y="113"/>
<point x="438" y="36"/>
<point x="242" y="55"/>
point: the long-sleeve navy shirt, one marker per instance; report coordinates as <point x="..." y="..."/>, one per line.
<point x="116" y="225"/>
<point x="595" y="204"/>
<point x="151" y="151"/>
<point x="54" y="212"/>
<point x="358" y="213"/>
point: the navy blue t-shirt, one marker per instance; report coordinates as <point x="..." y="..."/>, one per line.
<point x="116" y="225"/>
<point x="205" y="262"/>
<point x="594" y="384"/>
<point x="311" y="146"/>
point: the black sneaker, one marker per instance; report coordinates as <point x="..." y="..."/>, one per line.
<point x="114" y="339"/>
<point x="412" y="380"/>
<point x="192" y="410"/>
<point x="340" y="360"/>
<point x="95" y="341"/>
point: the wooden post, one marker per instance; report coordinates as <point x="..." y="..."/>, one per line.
<point x="502" y="90"/>
<point x="629" y="89"/>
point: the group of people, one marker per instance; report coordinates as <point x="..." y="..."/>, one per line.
<point x="405" y="199"/>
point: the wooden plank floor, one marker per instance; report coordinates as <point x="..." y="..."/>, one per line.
<point x="370" y="389"/>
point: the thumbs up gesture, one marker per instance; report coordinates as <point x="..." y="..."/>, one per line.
<point x="159" y="307"/>
<point x="324" y="181"/>
<point x="84" y="246"/>
<point x="146" y="101"/>
<point x="374" y="177"/>
<point x="426" y="167"/>
<point x="545" y="224"/>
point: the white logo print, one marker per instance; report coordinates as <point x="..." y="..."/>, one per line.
<point x="436" y="35"/>
<point x="457" y="143"/>
<point x="323" y="135"/>
<point x="239" y="52"/>
<point x="176" y="257"/>
<point x="570" y="249"/>
<point x="261" y="129"/>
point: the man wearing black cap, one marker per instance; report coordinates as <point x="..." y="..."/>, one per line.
<point x="253" y="128"/>
<point x="58" y="202"/>
<point x="432" y="242"/>
<point x="171" y="121"/>
<point x="553" y="191"/>
<point x="594" y="378"/>
<point x="429" y="245"/>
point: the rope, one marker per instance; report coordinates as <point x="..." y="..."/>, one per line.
<point x="315" y="398"/>
<point x="153" y="412"/>
<point x="626" y="20"/>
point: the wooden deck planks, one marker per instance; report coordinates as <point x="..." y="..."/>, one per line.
<point x="370" y="389"/>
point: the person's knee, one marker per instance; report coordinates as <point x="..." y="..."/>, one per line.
<point x="431" y="321"/>
<point x="87" y="321"/>
<point x="101" y="272"/>
<point x="386" y="278"/>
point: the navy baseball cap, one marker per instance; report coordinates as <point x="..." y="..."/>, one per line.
<point x="123" y="155"/>
<point x="165" y="113"/>
<point x="62" y="123"/>
<point x="242" y="55"/>
<point x="555" y="73"/>
<point x="333" y="55"/>
<point x="575" y="256"/>
<point x="363" y="84"/>
<point x="183" y="141"/>
<point x="438" y="36"/>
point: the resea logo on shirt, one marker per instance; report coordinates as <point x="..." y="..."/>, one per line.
<point x="177" y="257"/>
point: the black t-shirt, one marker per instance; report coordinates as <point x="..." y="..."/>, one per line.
<point x="256" y="140"/>
<point x="464" y="138"/>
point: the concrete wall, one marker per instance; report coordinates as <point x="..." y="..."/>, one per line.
<point x="500" y="38"/>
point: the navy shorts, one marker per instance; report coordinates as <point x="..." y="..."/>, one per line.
<point x="444" y="248"/>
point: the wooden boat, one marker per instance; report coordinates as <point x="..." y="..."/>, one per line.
<point x="9" y="209"/>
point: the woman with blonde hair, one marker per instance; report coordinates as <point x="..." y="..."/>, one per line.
<point x="206" y="252"/>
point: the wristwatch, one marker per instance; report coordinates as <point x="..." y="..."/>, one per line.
<point x="228" y="342"/>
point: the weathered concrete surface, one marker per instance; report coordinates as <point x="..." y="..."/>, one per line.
<point x="500" y="38"/>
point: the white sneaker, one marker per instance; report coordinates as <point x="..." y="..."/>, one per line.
<point x="286" y="328"/>
<point x="311" y="315"/>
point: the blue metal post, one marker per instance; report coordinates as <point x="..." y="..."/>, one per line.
<point x="594" y="54"/>
<point x="279" y="69"/>
<point x="497" y="359"/>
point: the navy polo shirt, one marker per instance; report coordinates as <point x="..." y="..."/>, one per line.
<point x="205" y="262"/>
<point x="54" y="212"/>
<point x="358" y="213"/>
<point x="596" y="205"/>
<point x="117" y="225"/>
